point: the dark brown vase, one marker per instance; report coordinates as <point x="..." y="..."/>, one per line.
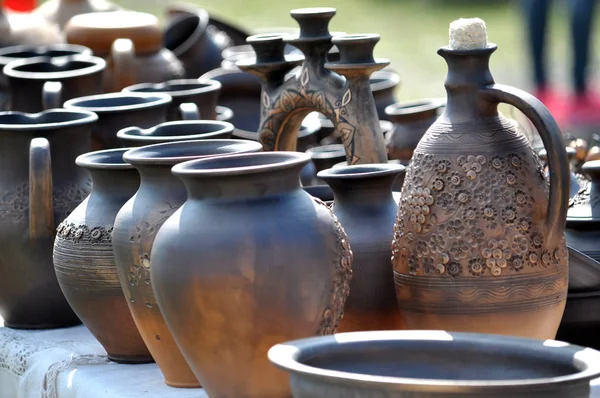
<point x="364" y="205"/>
<point x="185" y="130"/>
<point x="84" y="260"/>
<point x="119" y="110"/>
<point x="411" y="121"/>
<point x="38" y="188"/>
<point x="479" y="243"/>
<point x="136" y="225"/>
<point x="277" y="265"/>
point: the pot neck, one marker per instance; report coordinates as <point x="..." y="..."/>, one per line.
<point x="160" y="180"/>
<point x="468" y="72"/>
<point x="121" y="183"/>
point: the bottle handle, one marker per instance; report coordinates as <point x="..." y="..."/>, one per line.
<point x="123" y="64"/>
<point x="41" y="212"/>
<point x="189" y="111"/>
<point x="51" y="95"/>
<point x="551" y="135"/>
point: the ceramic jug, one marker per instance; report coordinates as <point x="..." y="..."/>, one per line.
<point x="479" y="242"/>
<point x="39" y="187"/>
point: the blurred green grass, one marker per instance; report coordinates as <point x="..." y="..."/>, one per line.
<point x="411" y="32"/>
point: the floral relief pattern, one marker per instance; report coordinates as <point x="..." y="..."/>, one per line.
<point x="471" y="217"/>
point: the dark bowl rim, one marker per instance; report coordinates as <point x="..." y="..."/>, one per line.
<point x="225" y="127"/>
<point x="349" y="172"/>
<point x="285" y="355"/>
<point x="390" y="80"/>
<point x="160" y="99"/>
<point x="85" y="160"/>
<point x="19" y="48"/>
<point x="90" y="117"/>
<point x="97" y="64"/>
<point x="210" y="85"/>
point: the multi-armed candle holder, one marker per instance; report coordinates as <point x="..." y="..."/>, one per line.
<point x="339" y="90"/>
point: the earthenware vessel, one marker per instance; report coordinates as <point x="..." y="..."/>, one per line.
<point x="60" y="11"/>
<point x="364" y="205"/>
<point x="203" y="93"/>
<point x="384" y="84"/>
<point x="38" y="188"/>
<point x="324" y="157"/>
<point x="435" y="364"/>
<point x="411" y="120"/>
<point x="78" y="75"/>
<point x="119" y="110"/>
<point x="479" y="242"/>
<point x="132" y="43"/>
<point x="136" y="225"/>
<point x="84" y="259"/>
<point x="184" y="130"/>
<point x="277" y="266"/>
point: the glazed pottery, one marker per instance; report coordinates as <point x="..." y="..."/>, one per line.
<point x="479" y="243"/>
<point x="38" y="188"/>
<point x="250" y="258"/>
<point x="187" y="130"/>
<point x="60" y="11"/>
<point x="203" y="93"/>
<point x="188" y="37"/>
<point x="26" y="28"/>
<point x="411" y="120"/>
<point x="432" y="364"/>
<point x="84" y="260"/>
<point x="133" y="44"/>
<point x="136" y="225"/>
<point x="119" y="110"/>
<point x="364" y="205"/>
<point x="78" y="75"/>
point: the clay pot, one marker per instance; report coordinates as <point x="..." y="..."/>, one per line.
<point x="204" y="94"/>
<point x="132" y="43"/>
<point x="59" y="12"/>
<point x="384" y="84"/>
<point x="324" y="157"/>
<point x="277" y="266"/>
<point x="479" y="244"/>
<point x="136" y="225"/>
<point x="73" y="77"/>
<point x="18" y="28"/>
<point x="38" y="188"/>
<point x="84" y="260"/>
<point x="364" y="205"/>
<point x="411" y="120"/>
<point x="435" y="364"/>
<point x="119" y="110"/>
<point x="187" y="130"/>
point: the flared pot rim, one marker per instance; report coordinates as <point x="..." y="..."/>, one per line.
<point x="287" y="356"/>
<point x="213" y="128"/>
<point x="7" y="57"/>
<point x="362" y="171"/>
<point x="94" y="65"/>
<point x="196" y="86"/>
<point x="155" y="100"/>
<point x="106" y="159"/>
<point x="83" y="117"/>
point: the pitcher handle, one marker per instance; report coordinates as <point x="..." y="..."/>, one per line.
<point x="189" y="111"/>
<point x="558" y="161"/>
<point x="51" y="95"/>
<point x="41" y="213"/>
<point x="123" y="64"/>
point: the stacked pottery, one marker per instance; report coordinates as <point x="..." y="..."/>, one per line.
<point x="84" y="261"/>
<point x="135" y="227"/>
<point x="364" y="205"/>
<point x="479" y="242"/>
<point x="248" y="261"/>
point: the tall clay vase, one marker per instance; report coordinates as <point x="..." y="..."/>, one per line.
<point x="364" y="205"/>
<point x="479" y="243"/>
<point x="250" y="259"/>
<point x="84" y="260"/>
<point x="136" y="225"/>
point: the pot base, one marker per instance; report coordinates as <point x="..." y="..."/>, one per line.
<point x="42" y="326"/>
<point x="182" y="385"/>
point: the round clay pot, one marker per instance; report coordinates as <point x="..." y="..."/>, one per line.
<point x="185" y="130"/>
<point x="411" y="120"/>
<point x="249" y="260"/>
<point x="84" y="259"/>
<point x="384" y="84"/>
<point x="435" y="364"/>
<point x="159" y="196"/>
<point x="364" y="205"/>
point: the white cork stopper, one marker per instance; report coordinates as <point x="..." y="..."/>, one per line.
<point x="468" y="34"/>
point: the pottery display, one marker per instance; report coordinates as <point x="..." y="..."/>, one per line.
<point x="59" y="12"/>
<point x="364" y="205"/>
<point x="39" y="187"/>
<point x="186" y="130"/>
<point x="479" y="242"/>
<point x="278" y="267"/>
<point x="119" y="110"/>
<point x="411" y="120"/>
<point x="203" y="93"/>
<point x="136" y="225"/>
<point x="26" y="28"/>
<point x="75" y="76"/>
<point x="340" y="90"/>
<point x="84" y="260"/>
<point x="324" y="157"/>
<point x="384" y="84"/>
<point x="432" y="364"/>
<point x="131" y="41"/>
